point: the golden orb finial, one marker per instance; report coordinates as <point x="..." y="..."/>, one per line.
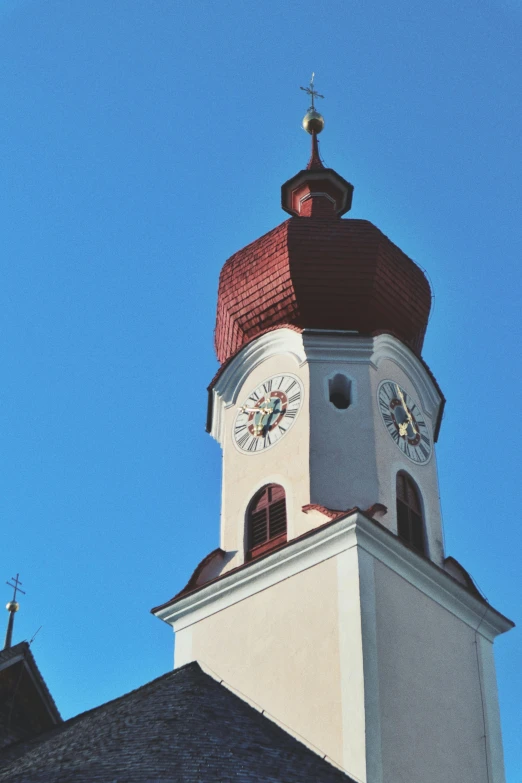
<point x="12" y="606"/>
<point x="313" y="122"/>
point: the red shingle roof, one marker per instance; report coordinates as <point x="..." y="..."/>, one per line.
<point x="323" y="274"/>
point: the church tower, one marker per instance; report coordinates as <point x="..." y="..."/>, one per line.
<point x="330" y="601"/>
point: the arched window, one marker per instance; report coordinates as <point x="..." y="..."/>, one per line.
<point x="410" y="524"/>
<point x="266" y="520"/>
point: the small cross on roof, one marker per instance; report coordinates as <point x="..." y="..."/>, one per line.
<point x="16" y="588"/>
<point x="311" y="91"/>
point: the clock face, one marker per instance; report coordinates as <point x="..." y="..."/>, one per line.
<point x="267" y="413"/>
<point x="404" y="421"/>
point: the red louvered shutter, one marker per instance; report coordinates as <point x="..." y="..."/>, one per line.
<point x="266" y="520"/>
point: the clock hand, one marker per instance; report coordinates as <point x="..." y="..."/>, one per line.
<point x="401" y="395"/>
<point x="267" y="411"/>
<point x="403" y="428"/>
<point x="406" y="411"/>
<point x="261" y="413"/>
<point x="246" y="409"/>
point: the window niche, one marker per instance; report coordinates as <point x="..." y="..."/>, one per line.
<point x="340" y="391"/>
<point x="266" y="521"/>
<point x="410" y="518"/>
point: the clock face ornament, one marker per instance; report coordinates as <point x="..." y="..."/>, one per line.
<point x="268" y="413"/>
<point x="404" y="421"/>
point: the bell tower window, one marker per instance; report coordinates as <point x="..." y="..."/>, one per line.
<point x="266" y="520"/>
<point x="410" y="522"/>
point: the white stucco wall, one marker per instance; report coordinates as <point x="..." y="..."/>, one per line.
<point x="432" y="726"/>
<point x="280" y="648"/>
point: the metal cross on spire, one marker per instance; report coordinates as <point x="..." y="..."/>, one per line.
<point x="12" y="607"/>
<point x="311" y="92"/>
<point x="16" y="588"/>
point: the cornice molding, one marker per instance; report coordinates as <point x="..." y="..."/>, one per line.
<point x="353" y="530"/>
<point x="320" y="345"/>
<point x="431" y="580"/>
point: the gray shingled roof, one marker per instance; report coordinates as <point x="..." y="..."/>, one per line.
<point x="183" y="727"/>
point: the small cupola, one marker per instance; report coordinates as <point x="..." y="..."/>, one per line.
<point x="316" y="191"/>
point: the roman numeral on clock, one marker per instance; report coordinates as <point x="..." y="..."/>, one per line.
<point x="243" y="440"/>
<point x="390" y="390"/>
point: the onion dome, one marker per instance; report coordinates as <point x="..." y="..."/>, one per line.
<point x="316" y="271"/>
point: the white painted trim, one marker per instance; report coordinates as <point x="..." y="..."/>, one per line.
<point x="430" y="580"/>
<point x="183" y="648"/>
<point x="317" y="345"/>
<point x="388" y="347"/>
<point x="489" y="693"/>
<point x="372" y="701"/>
<point x="335" y="346"/>
<point x="227" y="386"/>
<point x="351" y="665"/>
<point x="261" y="574"/>
<point x="352" y="530"/>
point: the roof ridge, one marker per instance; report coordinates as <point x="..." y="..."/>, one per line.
<point x="65" y="724"/>
<point x="173" y="672"/>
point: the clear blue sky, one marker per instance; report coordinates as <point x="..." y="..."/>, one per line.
<point x="142" y="143"/>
